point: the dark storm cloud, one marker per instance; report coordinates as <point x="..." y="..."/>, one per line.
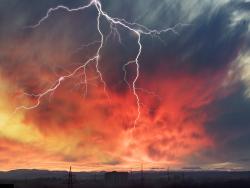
<point x="33" y="49"/>
<point x="231" y="128"/>
<point x="233" y="116"/>
<point x="16" y="15"/>
<point x="208" y="43"/>
<point x="244" y="6"/>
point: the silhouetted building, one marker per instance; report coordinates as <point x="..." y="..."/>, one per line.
<point x="116" y="178"/>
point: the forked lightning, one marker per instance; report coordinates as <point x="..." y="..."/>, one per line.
<point x="136" y="28"/>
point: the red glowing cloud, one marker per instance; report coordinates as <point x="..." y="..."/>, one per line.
<point x="93" y="131"/>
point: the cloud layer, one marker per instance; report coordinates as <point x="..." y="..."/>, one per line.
<point x="193" y="87"/>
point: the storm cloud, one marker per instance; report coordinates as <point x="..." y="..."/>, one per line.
<point x="193" y="85"/>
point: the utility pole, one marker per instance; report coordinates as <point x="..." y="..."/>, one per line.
<point x="70" y="179"/>
<point x="142" y="176"/>
<point x="168" y="174"/>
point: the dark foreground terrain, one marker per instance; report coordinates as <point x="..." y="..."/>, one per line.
<point x="197" y="179"/>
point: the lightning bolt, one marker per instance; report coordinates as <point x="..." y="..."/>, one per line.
<point x="133" y="27"/>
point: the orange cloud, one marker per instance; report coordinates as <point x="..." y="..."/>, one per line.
<point x="94" y="132"/>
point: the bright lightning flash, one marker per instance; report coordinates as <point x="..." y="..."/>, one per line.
<point x="136" y="28"/>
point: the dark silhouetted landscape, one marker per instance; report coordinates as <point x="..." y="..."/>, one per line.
<point x="149" y="179"/>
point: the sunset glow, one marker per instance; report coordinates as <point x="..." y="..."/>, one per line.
<point x="182" y="84"/>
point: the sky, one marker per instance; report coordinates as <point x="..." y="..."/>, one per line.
<point x="176" y="99"/>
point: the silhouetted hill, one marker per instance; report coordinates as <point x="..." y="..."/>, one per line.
<point x="24" y="174"/>
<point x="34" y="174"/>
<point x="31" y="174"/>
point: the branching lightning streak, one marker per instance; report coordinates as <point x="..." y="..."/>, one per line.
<point x="136" y="28"/>
<point x="55" y="86"/>
<point x="150" y="93"/>
<point x="99" y="50"/>
<point x="115" y="32"/>
<point x="86" y="45"/>
<point x="60" y="7"/>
